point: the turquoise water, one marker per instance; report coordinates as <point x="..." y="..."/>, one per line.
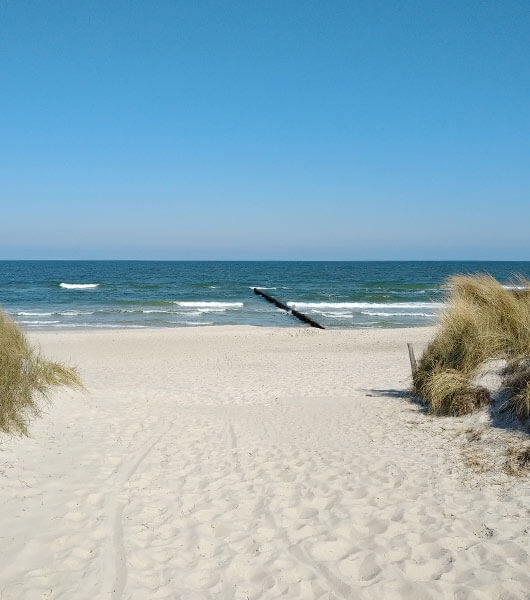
<point x="92" y="294"/>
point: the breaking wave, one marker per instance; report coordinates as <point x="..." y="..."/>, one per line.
<point x="366" y="305"/>
<point x="210" y="305"/>
<point x="79" y="286"/>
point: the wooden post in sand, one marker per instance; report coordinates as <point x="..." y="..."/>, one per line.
<point x="412" y="358"/>
<point x="292" y="311"/>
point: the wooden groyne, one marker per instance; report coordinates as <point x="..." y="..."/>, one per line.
<point x="288" y="309"/>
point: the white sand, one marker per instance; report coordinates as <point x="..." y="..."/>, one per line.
<point x="239" y="462"/>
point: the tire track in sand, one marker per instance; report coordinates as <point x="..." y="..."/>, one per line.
<point x="115" y="577"/>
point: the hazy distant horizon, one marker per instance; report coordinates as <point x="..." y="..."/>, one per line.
<point x="502" y="256"/>
<point x="88" y="258"/>
<point x="256" y="259"/>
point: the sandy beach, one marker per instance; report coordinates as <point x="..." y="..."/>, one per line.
<point x="251" y="463"/>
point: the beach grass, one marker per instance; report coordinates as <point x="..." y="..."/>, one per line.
<point x="25" y="378"/>
<point x="517" y="381"/>
<point x="483" y="321"/>
<point x="518" y="459"/>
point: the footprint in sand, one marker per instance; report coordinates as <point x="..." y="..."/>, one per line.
<point x="331" y="550"/>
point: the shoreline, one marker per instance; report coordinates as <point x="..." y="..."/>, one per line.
<point x="37" y="331"/>
<point x="224" y="327"/>
<point x="247" y="461"/>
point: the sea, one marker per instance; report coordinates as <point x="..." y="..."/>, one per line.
<point x="140" y="294"/>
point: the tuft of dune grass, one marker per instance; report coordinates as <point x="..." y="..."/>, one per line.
<point x="482" y="321"/>
<point x="518" y="460"/>
<point x="517" y="381"/>
<point x="451" y="393"/>
<point x="25" y="378"/>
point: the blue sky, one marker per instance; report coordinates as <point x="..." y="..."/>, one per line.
<point x="265" y="130"/>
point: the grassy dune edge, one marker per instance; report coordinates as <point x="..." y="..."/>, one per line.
<point x="483" y="322"/>
<point x="25" y="378"/>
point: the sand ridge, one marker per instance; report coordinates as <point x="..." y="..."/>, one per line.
<point x="245" y="462"/>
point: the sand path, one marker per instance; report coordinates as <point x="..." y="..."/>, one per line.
<point x="250" y="463"/>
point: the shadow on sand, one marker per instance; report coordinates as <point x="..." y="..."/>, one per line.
<point x="499" y="417"/>
<point x="402" y="394"/>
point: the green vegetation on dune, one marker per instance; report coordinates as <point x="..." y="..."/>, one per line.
<point x="483" y="321"/>
<point x="25" y="377"/>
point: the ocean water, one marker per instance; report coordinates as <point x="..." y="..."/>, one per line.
<point x="135" y="294"/>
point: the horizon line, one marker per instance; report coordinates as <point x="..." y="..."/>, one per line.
<point x="262" y="260"/>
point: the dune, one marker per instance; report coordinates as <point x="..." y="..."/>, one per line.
<point x="247" y="462"/>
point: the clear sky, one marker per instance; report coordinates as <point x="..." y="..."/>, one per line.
<point x="265" y="129"/>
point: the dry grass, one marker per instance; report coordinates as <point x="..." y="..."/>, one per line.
<point x="476" y="461"/>
<point x="482" y="321"/>
<point x="518" y="460"/>
<point x="517" y="382"/>
<point x="451" y="393"/>
<point x="25" y="377"/>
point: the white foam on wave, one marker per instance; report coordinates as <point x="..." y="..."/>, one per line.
<point x="210" y="305"/>
<point x="195" y="313"/>
<point x="396" y="314"/>
<point x="97" y="325"/>
<point x="150" y="311"/>
<point x="515" y="287"/>
<point x="259" y="287"/>
<point x="367" y="305"/>
<point x="39" y="322"/>
<point x="333" y="315"/>
<point x="428" y="290"/>
<point x="78" y="286"/>
<point x="66" y="313"/>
